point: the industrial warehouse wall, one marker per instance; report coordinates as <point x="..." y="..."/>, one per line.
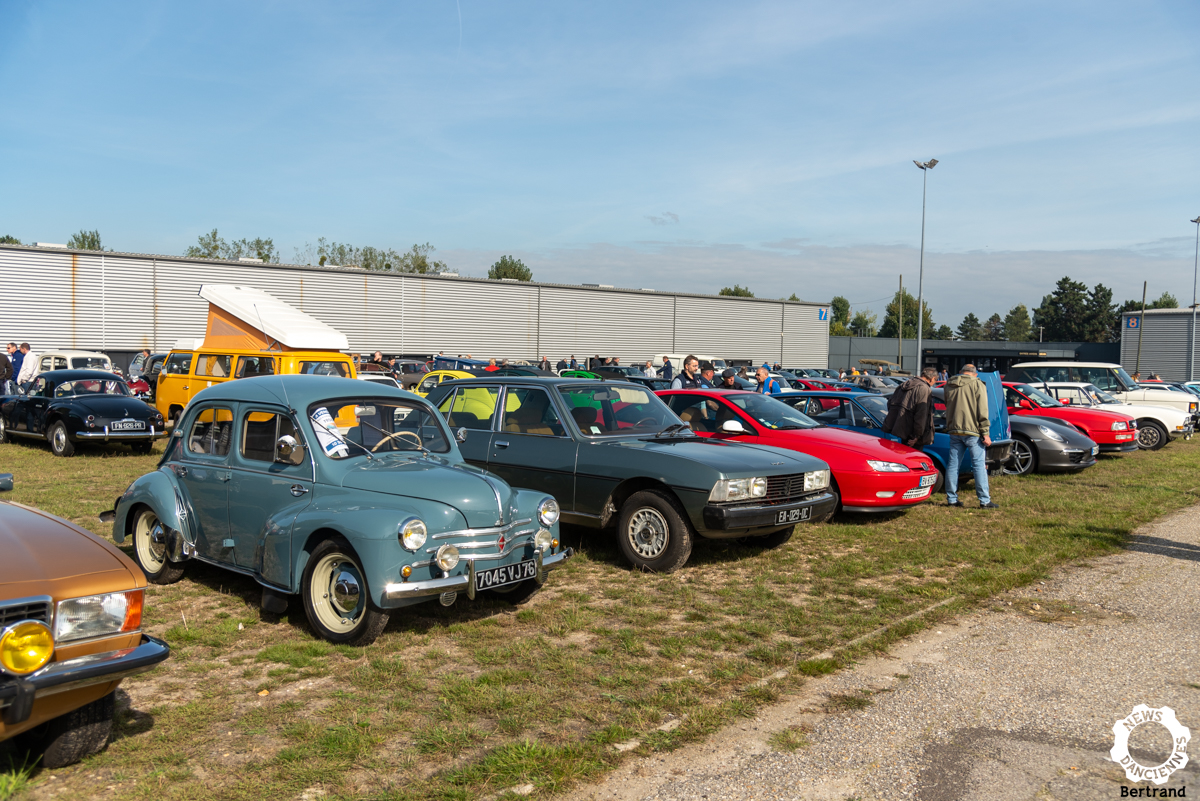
<point x="1166" y="344"/>
<point x="126" y="302"/>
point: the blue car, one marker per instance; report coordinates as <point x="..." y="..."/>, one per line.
<point x="865" y="412"/>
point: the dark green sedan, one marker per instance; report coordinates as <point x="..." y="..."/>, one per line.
<point x="613" y="453"/>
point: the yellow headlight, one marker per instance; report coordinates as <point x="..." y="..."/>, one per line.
<point x="25" y="647"/>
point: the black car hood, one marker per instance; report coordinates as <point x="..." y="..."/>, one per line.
<point x="728" y="457"/>
<point x="114" y="407"/>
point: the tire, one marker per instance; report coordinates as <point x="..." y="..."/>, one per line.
<point x="142" y="448"/>
<point x="769" y="541"/>
<point x="334" y="566"/>
<point x="150" y="549"/>
<point x="941" y="480"/>
<point x="3" y="430"/>
<point x="1024" y="459"/>
<point x="514" y="594"/>
<point x="1151" y="436"/>
<point x="173" y="414"/>
<point x="60" y="442"/>
<point x="73" y="736"/>
<point x="653" y="532"/>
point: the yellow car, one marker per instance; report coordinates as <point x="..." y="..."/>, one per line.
<point x="431" y="380"/>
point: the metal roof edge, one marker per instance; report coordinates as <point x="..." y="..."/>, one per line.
<point x="423" y="276"/>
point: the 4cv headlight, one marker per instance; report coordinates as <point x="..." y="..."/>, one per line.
<point x="413" y="533"/>
<point x="548" y="512"/>
<point x="98" y="615"/>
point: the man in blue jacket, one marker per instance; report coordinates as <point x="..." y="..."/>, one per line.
<point x="766" y="384"/>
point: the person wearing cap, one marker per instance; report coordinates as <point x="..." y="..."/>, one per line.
<point x="766" y="384"/>
<point x="728" y="379"/>
<point x="968" y="424"/>
<point x="707" y="375"/>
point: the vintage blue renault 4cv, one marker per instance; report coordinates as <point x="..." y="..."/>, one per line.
<point x="352" y="495"/>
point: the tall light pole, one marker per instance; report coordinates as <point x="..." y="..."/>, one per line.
<point x="925" y="166"/>
<point x="1195" y="271"/>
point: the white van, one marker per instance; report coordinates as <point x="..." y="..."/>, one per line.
<point x="677" y="361"/>
<point x="73" y="360"/>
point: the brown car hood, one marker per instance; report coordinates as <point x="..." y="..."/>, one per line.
<point x="41" y="554"/>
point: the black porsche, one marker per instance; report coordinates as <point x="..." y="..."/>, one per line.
<point x="66" y="407"/>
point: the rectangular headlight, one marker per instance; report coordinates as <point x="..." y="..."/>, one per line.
<point x="98" y="615"/>
<point x="734" y="489"/>
<point x="815" y="480"/>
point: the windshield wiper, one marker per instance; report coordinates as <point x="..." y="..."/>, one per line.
<point x="672" y="430"/>
<point x="340" y="438"/>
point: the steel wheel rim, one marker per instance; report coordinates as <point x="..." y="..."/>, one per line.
<point x="150" y="540"/>
<point x="1022" y="459"/>
<point x="1148" y="437"/>
<point x="648" y="533"/>
<point x="59" y="438"/>
<point x="329" y="594"/>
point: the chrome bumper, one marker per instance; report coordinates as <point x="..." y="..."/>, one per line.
<point x="466" y="582"/>
<point x="17" y="696"/>
<point x="106" y="435"/>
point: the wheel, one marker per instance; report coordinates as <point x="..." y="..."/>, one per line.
<point x="173" y="414"/>
<point x="150" y="549"/>
<point x="336" y="598"/>
<point x="60" y="443"/>
<point x="142" y="448"/>
<point x="1151" y="435"/>
<point x="3" y="430"/>
<point x="1024" y="458"/>
<point x="73" y="736"/>
<point x="517" y="593"/>
<point x="653" y="532"/>
<point x="941" y="480"/>
<point x="769" y="541"/>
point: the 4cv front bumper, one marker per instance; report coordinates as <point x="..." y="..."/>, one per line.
<point x="543" y="564"/>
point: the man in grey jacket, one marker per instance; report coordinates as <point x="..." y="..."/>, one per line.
<point x="967" y="424"/>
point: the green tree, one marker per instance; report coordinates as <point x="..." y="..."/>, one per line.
<point x="737" y="291"/>
<point x="1016" y="324"/>
<point x="1164" y="301"/>
<point x="1102" y="323"/>
<point x="9" y="240"/>
<point x="839" y="317"/>
<point x="970" y="329"/>
<point x="890" y="325"/>
<point x="85" y="240"/>
<point x="943" y="332"/>
<point x="993" y="329"/>
<point x="508" y="267"/>
<point x="863" y="324"/>
<point x="341" y="254"/>
<point x="1064" y="312"/>
<point x="213" y="246"/>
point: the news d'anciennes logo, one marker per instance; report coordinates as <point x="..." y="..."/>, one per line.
<point x="1135" y="771"/>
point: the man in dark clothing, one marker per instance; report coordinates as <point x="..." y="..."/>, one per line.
<point x="574" y="365"/>
<point x="6" y="374"/>
<point x="562" y="365"/>
<point x="668" y="369"/>
<point x="707" y="375"/>
<point x="728" y="379"/>
<point x="689" y="378"/>
<point x="16" y="357"/>
<point x="910" y="410"/>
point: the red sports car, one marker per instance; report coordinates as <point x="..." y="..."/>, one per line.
<point x="870" y="474"/>
<point x="1112" y="431"/>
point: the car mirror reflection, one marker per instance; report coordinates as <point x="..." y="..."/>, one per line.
<point x="461" y="435"/>
<point x="288" y="450"/>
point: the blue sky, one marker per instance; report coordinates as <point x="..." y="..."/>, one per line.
<point x="670" y="145"/>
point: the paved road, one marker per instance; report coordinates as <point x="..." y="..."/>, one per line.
<point x="1014" y="702"/>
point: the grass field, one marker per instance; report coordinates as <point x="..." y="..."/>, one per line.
<point x="474" y="700"/>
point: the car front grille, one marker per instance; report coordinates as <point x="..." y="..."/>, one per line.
<point x="781" y="489"/>
<point x="917" y="492"/>
<point x="29" y="609"/>
<point x="1078" y="457"/>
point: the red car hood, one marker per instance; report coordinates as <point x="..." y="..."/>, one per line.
<point x="1087" y="418"/>
<point x="836" y="444"/>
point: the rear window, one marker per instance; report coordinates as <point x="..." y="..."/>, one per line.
<point x="89" y="363"/>
<point x="324" y="368"/>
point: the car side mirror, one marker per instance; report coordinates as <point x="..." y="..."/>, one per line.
<point x="1025" y="404"/>
<point x="461" y="435"/>
<point x="6" y="482"/>
<point x="288" y="450"/>
<point x="1066" y="401"/>
<point x="732" y="427"/>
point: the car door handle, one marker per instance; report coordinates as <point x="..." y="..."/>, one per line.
<point x="180" y="471"/>
<point x="299" y="489"/>
<point x="225" y="476"/>
<point x="501" y="444"/>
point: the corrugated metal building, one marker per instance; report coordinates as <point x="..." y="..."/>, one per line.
<point x="123" y="302"/>
<point x="1166" y="344"/>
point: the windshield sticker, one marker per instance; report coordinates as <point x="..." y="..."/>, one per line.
<point x="328" y="435"/>
<point x="595" y="429"/>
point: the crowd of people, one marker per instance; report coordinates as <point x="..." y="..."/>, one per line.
<point x="18" y="366"/>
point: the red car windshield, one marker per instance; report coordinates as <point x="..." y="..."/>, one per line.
<point x="770" y="413"/>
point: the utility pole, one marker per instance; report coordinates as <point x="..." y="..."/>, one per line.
<point x="1137" y="366"/>
<point x="925" y="168"/>
<point x="900" y="329"/>
<point x="1195" y="271"/>
<point x="1041" y="328"/>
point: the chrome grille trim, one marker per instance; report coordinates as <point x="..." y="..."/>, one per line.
<point x="783" y="487"/>
<point x="35" y="607"/>
<point x="523" y="535"/>
<point x="481" y="532"/>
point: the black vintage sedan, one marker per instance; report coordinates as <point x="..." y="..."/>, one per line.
<point x="66" y="407"/>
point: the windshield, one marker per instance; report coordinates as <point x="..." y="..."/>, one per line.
<point x="89" y="363"/>
<point x="90" y="387"/>
<point x="876" y="405"/>
<point x="1038" y="397"/>
<point x="772" y="413"/>
<point x="378" y="425"/>
<point x="600" y="411"/>
<point x="324" y="368"/>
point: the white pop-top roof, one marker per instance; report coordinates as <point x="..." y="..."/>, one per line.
<point x="278" y="320"/>
<point x="188" y="344"/>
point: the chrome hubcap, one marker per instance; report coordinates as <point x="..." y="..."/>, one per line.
<point x="150" y="541"/>
<point x="60" y="439"/>
<point x="648" y="533"/>
<point x="346" y="592"/>
<point x="158" y="541"/>
<point x="338" y="595"/>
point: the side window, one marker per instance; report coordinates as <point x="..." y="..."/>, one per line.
<point x="699" y="413"/>
<point x="474" y="407"/>
<point x="178" y="364"/>
<point x="839" y="414"/>
<point x="861" y="418"/>
<point x="1070" y="393"/>
<point x="211" y="432"/>
<point x="529" y="411"/>
<point x="1011" y="397"/>
<point x="939" y="414"/>
<point x="1100" y="376"/>
<point x="41" y="387"/>
<point x="260" y="430"/>
<point x="46" y="362"/>
<point x="250" y="366"/>
<point x="213" y="366"/>
<point x="428" y="383"/>
<point x="60" y="363"/>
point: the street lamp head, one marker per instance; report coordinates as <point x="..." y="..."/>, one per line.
<point x="1197" y="221"/>
<point x="928" y="165"/>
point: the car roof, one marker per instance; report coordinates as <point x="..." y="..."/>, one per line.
<point x="79" y="375"/>
<point x="556" y="381"/>
<point x="62" y="352"/>
<point x="1065" y="364"/>
<point x="297" y="390"/>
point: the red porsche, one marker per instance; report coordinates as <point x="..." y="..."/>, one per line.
<point x="870" y="474"/>
<point x="1112" y="431"/>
